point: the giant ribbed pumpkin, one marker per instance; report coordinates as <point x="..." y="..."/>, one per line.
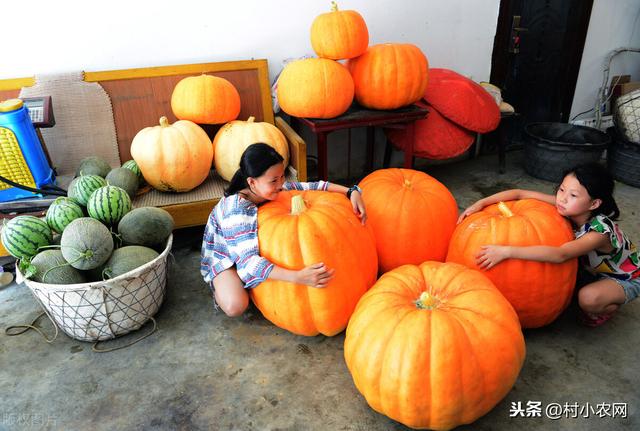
<point x="234" y="137"/>
<point x="173" y="157"/>
<point x="205" y="99"/>
<point x="339" y="34"/>
<point x="434" y="346"/>
<point x="315" y="88"/>
<point x="302" y="228"/>
<point x="412" y="215"/>
<point x="538" y="291"/>
<point x="389" y="75"/>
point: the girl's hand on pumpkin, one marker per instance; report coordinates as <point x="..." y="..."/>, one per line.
<point x="491" y="255"/>
<point x="358" y="206"/>
<point x="316" y="275"/>
<point x="470" y="210"/>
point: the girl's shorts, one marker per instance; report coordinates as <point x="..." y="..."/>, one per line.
<point x="631" y="288"/>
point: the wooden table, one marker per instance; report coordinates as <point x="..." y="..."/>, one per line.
<point x="357" y="116"/>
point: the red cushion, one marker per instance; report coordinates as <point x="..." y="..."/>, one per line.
<point x="435" y="137"/>
<point x="462" y="101"/>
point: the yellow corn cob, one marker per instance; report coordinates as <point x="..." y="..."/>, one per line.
<point x="13" y="166"/>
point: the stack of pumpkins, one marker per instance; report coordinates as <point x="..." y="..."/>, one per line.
<point x="178" y="157"/>
<point x="91" y="235"/>
<point x="384" y="76"/>
<point x="433" y="342"/>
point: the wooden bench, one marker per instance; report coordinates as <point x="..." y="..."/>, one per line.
<point x="140" y="96"/>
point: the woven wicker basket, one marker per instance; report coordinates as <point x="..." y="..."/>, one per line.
<point x="103" y="310"/>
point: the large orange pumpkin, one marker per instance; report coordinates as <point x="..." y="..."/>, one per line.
<point x="434" y="346"/>
<point x="315" y="88"/>
<point x="173" y="158"/>
<point x="412" y="215"/>
<point x="205" y="99"/>
<point x="234" y="137"/>
<point x="389" y="75"/>
<point x="302" y="228"/>
<point x="339" y="34"/>
<point x="538" y="291"/>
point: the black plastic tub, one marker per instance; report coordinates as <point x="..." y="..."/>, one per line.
<point x="553" y="148"/>
<point x="623" y="159"/>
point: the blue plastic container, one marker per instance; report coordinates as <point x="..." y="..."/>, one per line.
<point x="22" y="159"/>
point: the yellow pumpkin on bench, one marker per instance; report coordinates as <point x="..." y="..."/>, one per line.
<point x="173" y="157"/>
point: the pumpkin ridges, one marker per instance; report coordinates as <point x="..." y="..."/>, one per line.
<point x="451" y="340"/>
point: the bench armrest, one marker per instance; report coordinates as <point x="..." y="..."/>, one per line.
<point x="297" y="148"/>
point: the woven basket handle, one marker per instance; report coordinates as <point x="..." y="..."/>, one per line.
<point x="131" y="343"/>
<point x="12" y="331"/>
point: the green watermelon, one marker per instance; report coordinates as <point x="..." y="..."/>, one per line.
<point x="148" y="226"/>
<point x="62" y="212"/>
<point x="125" y="179"/>
<point x="93" y="166"/>
<point x="84" y="186"/>
<point x="23" y="235"/>
<point x="86" y="243"/>
<point x="51" y="268"/>
<point x="126" y="259"/>
<point x="109" y="204"/>
<point x="133" y="167"/>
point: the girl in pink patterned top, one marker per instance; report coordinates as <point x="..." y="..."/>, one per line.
<point x="585" y="197"/>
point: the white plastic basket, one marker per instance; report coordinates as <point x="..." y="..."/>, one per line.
<point x="103" y="310"/>
<point x="627" y="115"/>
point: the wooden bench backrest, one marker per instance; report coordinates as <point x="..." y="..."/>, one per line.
<point x="141" y="96"/>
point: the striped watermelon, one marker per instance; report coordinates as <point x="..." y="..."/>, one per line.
<point x="133" y="166"/>
<point x="23" y="235"/>
<point x="61" y="212"/>
<point x="84" y="186"/>
<point x="109" y="204"/>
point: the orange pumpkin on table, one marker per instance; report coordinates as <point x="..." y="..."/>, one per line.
<point x="389" y="75"/>
<point x="173" y="157"/>
<point x="538" y="291"/>
<point x="205" y="99"/>
<point x="315" y="88"/>
<point x="339" y="34"/>
<point x="412" y="215"/>
<point x="434" y="346"/>
<point x="299" y="229"/>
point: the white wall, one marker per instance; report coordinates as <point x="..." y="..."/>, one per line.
<point x="613" y="24"/>
<point x="456" y="34"/>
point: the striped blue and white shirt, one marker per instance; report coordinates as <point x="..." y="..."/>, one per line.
<point x="231" y="238"/>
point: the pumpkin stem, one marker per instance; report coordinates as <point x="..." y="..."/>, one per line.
<point x="407" y="184"/>
<point x="164" y="122"/>
<point x="334" y="6"/>
<point x="504" y="209"/>
<point x="426" y="301"/>
<point x="251" y="119"/>
<point x="297" y="205"/>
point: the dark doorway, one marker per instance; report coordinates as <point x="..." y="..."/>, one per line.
<point x="536" y="57"/>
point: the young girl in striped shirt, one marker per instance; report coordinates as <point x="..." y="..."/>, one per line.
<point x="231" y="261"/>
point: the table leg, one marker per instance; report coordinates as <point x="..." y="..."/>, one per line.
<point x="370" y="143"/>
<point x="408" y="151"/>
<point x="502" y="147"/>
<point x="322" y="155"/>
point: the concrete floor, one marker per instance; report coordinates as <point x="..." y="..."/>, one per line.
<point x="202" y="370"/>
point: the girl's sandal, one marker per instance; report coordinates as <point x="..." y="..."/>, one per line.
<point x="594" y="320"/>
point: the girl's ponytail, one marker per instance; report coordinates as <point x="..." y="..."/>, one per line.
<point x="237" y="183"/>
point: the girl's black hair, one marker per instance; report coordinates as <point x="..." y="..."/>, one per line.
<point x="255" y="161"/>
<point x="599" y="184"/>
